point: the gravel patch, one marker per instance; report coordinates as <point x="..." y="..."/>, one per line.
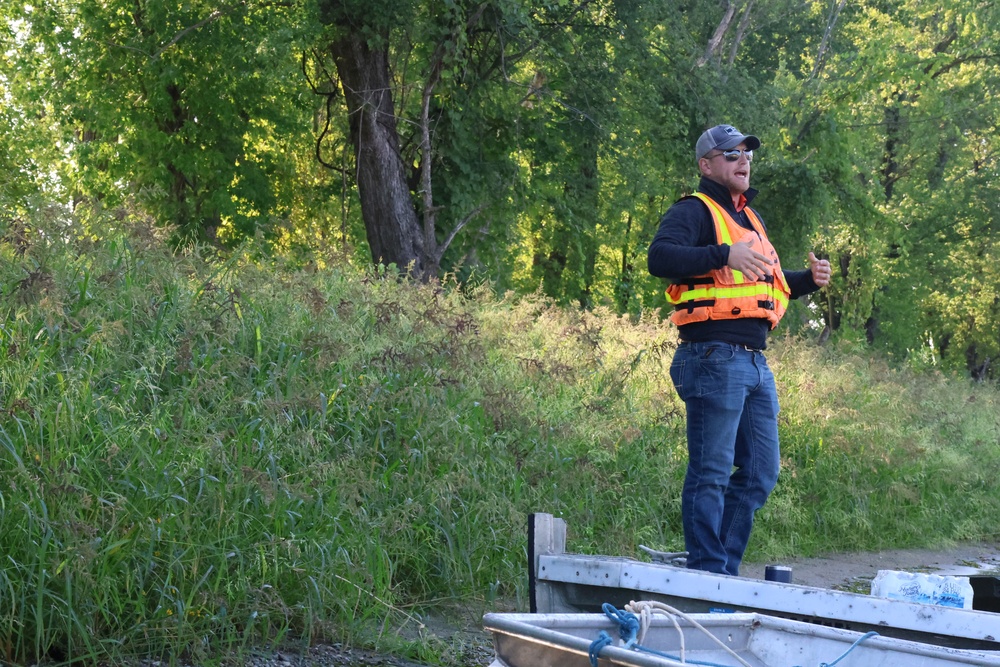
<point x="334" y="655"/>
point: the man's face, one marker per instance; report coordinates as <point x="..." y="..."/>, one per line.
<point x="734" y="175"/>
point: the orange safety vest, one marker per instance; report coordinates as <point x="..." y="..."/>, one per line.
<point x="724" y="294"/>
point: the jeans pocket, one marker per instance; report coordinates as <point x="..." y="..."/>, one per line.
<point x="709" y="372"/>
<point x="677" y="375"/>
<point x="716" y="354"/>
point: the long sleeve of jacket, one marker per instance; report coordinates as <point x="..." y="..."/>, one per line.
<point x="800" y="282"/>
<point x="685" y="244"/>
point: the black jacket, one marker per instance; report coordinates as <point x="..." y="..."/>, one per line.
<point x="685" y="245"/>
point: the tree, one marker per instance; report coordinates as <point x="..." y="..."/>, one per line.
<point x="456" y="49"/>
<point x="904" y="85"/>
<point x="360" y="49"/>
<point x="536" y="144"/>
<point x="184" y="108"/>
<point x="28" y="136"/>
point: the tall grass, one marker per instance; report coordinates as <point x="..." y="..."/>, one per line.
<point x="203" y="454"/>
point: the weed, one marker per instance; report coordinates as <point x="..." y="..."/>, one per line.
<point x="206" y="454"/>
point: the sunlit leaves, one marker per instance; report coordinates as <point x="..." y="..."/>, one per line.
<point x="906" y="86"/>
<point x="559" y="132"/>
<point x="181" y="107"/>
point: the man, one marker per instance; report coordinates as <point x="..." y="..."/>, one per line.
<point x="728" y="291"/>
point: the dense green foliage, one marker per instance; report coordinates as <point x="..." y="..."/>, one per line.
<point x="226" y="420"/>
<point x="154" y="97"/>
<point x="533" y="144"/>
<point x="205" y="452"/>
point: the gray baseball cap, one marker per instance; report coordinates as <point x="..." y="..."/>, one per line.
<point x="723" y="137"/>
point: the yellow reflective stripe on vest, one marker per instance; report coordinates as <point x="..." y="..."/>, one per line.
<point x="721" y="228"/>
<point x="712" y="292"/>
<point x="720" y="224"/>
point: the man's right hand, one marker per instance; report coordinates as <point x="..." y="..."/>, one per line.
<point x="742" y="257"/>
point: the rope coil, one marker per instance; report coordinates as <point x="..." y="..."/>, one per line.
<point x="636" y="617"/>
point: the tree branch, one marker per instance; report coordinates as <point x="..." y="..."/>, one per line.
<point x="439" y="252"/>
<point x="329" y="95"/>
<point x="180" y="35"/>
<point x="720" y="32"/>
<point x="501" y="61"/>
<point x="213" y="16"/>
<point x="430" y="210"/>
<point x="740" y="33"/>
<point x="947" y="67"/>
<point x="825" y="42"/>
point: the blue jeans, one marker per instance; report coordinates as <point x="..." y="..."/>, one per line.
<point x="733" y="458"/>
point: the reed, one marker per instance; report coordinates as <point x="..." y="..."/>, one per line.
<point x="206" y="452"/>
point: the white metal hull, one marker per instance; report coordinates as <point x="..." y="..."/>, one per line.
<point x="568" y="583"/>
<point x="564" y="640"/>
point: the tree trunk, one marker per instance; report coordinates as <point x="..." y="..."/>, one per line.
<point x="625" y="286"/>
<point x="391" y="221"/>
<point x="825" y="42"/>
<point x="893" y="140"/>
<point x="587" y="205"/>
<point x="741" y="32"/>
<point x="720" y="31"/>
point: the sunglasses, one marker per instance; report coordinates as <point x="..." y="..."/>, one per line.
<point x="734" y="154"/>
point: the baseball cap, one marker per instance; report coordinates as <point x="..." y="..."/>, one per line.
<point x="723" y="137"/>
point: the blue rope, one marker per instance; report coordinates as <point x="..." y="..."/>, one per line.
<point x="603" y="639"/>
<point x="853" y="646"/>
<point x="628" y="623"/>
<point x="628" y="630"/>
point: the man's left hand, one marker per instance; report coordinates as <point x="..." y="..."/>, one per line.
<point x="820" y="270"/>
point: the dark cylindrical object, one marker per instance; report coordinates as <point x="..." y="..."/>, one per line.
<point x="779" y="573"/>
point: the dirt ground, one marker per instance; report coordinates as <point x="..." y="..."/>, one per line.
<point x="854" y="571"/>
<point x="849" y="572"/>
<point x="471" y="646"/>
